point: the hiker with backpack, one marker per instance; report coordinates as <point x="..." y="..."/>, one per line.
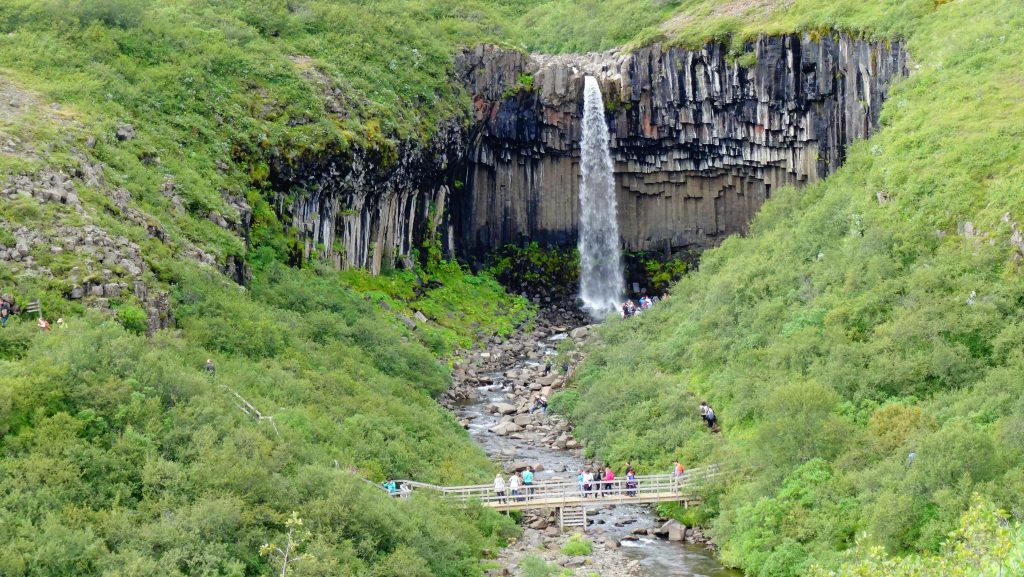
<point x="5" y="313"/>
<point x="708" y="414"/>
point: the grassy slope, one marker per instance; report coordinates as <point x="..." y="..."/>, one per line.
<point x="119" y="457"/>
<point x="846" y="332"/>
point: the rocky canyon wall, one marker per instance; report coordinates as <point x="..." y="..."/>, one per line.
<point x="699" y="142"/>
<point x="369" y="208"/>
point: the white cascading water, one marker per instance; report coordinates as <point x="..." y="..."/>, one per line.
<point x="601" y="278"/>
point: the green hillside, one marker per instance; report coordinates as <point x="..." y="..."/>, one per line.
<point x="873" y="315"/>
<point x="866" y="317"/>
<point x="119" y="454"/>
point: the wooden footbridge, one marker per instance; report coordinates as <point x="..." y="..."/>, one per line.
<point x="570" y="500"/>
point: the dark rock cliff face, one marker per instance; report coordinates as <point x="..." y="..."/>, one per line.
<point x="368" y="208"/>
<point x="698" y="142"/>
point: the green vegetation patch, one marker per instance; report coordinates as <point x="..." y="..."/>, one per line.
<point x="862" y="346"/>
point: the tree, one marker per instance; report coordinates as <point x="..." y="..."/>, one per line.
<point x="289" y="555"/>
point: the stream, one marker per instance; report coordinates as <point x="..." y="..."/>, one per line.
<point x="653" y="556"/>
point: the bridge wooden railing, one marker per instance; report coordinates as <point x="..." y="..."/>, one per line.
<point x="554" y="494"/>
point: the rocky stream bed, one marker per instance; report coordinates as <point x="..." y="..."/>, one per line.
<point x="492" y="393"/>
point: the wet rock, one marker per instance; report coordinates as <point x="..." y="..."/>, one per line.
<point x="675" y="531"/>
<point x="502" y="409"/>
<point x="505" y="428"/>
<point x="579" y="333"/>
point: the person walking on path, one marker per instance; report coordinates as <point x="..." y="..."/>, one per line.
<point x="210" y="369"/>
<point x="43" y="324"/>
<point x="708" y="414"/>
<point x="390" y="487"/>
<point x="499" y="487"/>
<point x="513" y="486"/>
<point x="677" y="474"/>
<point x="5" y="313"/>
<point x="528" y="481"/>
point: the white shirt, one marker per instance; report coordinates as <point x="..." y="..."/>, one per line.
<point x="499" y="484"/>
<point x="513" y="483"/>
<point x="588" y="478"/>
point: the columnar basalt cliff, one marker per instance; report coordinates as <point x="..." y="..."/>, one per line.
<point x="699" y="141"/>
<point x="368" y="208"/>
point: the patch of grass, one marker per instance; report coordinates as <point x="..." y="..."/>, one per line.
<point x="577" y="546"/>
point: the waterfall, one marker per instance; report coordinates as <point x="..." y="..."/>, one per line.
<point x="601" y="279"/>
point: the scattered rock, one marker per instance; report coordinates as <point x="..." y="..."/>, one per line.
<point x="125" y="132"/>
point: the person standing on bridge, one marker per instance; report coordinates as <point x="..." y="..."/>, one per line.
<point x="579" y="480"/>
<point x="609" y="478"/>
<point x="677" y="473"/>
<point x="631" y="482"/>
<point x="588" y="483"/>
<point x="528" y="481"/>
<point x="499" y="487"/>
<point x="513" y="486"/>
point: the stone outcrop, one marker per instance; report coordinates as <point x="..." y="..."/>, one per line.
<point x="367" y="208"/>
<point x="699" y="141"/>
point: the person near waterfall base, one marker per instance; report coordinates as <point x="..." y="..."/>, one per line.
<point x="540" y="402"/>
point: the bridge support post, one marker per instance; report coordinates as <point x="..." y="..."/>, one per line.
<point x="572" y="517"/>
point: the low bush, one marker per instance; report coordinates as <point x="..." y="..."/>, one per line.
<point x="577" y="545"/>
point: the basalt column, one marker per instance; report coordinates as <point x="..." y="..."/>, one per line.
<point x="698" y="140"/>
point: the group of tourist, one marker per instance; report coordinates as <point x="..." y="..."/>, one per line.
<point x="519" y="485"/>
<point x="630" y="308"/>
<point x="708" y="414"/>
<point x="599" y="484"/>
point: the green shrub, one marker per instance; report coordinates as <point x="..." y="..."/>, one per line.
<point x="133" y="318"/>
<point x="7" y="239"/>
<point x="577" y="545"/>
<point x="534" y="566"/>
